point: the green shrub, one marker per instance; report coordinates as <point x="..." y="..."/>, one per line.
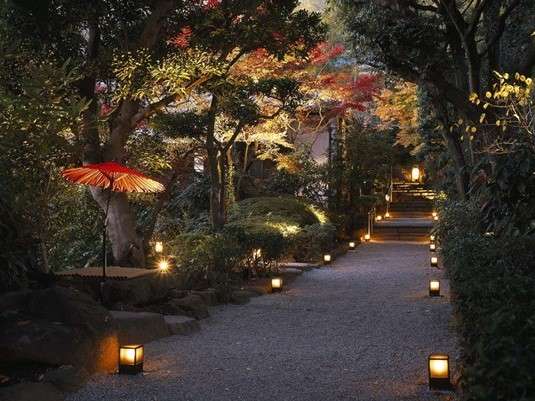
<point x="312" y="241"/>
<point x="493" y="280"/>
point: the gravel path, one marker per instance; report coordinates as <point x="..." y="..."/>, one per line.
<point x="360" y="329"/>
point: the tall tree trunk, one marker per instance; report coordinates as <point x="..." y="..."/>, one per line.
<point x="127" y="245"/>
<point x="213" y="153"/>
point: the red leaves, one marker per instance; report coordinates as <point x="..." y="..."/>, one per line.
<point x="105" y="109"/>
<point x="210" y="4"/>
<point x="181" y="40"/>
<point x="325" y="52"/>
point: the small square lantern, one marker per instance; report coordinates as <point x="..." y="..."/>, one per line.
<point x="131" y="359"/>
<point x="163" y="266"/>
<point x="158" y="247"/>
<point x="434" y="261"/>
<point x="434" y="288"/>
<point x="435" y="218"/>
<point x="378" y="218"/>
<point x="438" y="366"/>
<point x="327" y="259"/>
<point x="435" y="214"/>
<point x="432" y="247"/>
<point x="367" y="237"/>
<point x="415" y="174"/>
<point x="352" y="245"/>
<point x="276" y="284"/>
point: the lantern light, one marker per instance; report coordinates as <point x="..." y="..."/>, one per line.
<point x="367" y="237"/>
<point x="432" y="237"/>
<point x="434" y="288"/>
<point x="158" y="247"/>
<point x="352" y="245"/>
<point x="387" y="215"/>
<point x="434" y="214"/>
<point x="434" y="261"/>
<point x="439" y="372"/>
<point x="131" y="359"/>
<point x="257" y="253"/>
<point x="378" y="218"/>
<point x="276" y="284"/>
<point x="163" y="265"/>
<point x="432" y="247"/>
<point x="327" y="259"/>
<point x="435" y="218"/>
<point x="387" y="197"/>
<point x="415" y="174"/>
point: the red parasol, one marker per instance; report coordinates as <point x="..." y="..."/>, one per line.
<point x="113" y="177"/>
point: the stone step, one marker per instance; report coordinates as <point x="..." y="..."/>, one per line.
<point x="181" y="325"/>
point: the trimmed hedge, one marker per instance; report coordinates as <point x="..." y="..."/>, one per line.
<point x="493" y="281"/>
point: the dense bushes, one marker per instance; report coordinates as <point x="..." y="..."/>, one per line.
<point x="493" y="280"/>
<point x="279" y="227"/>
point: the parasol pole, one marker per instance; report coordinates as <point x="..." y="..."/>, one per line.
<point x="105" y="254"/>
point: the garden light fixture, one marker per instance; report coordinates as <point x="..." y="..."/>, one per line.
<point x="276" y="284"/>
<point x="439" y="372"/>
<point x="434" y="261"/>
<point x="131" y="359"/>
<point x="434" y="288"/>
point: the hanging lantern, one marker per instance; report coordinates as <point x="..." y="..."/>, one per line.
<point x="439" y="372"/>
<point x="327" y="259"/>
<point x="276" y="284"/>
<point x="434" y="261"/>
<point x="352" y="245"/>
<point x="415" y="174"/>
<point x="432" y="247"/>
<point x="131" y="359"/>
<point x="434" y="288"/>
<point x="158" y="247"/>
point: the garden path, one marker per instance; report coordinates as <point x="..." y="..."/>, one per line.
<point x="360" y="329"/>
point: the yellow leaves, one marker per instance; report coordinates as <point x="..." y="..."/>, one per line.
<point x="482" y="117"/>
<point x="488" y="95"/>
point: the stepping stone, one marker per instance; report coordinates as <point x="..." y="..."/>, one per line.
<point x="181" y="325"/>
<point x="139" y="327"/>
<point x="298" y="265"/>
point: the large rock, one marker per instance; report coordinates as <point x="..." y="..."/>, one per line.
<point x="139" y="327"/>
<point x="139" y="291"/>
<point x="57" y="326"/>
<point x="191" y="305"/>
<point x="182" y="325"/>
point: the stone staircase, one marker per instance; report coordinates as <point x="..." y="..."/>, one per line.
<point x="410" y="215"/>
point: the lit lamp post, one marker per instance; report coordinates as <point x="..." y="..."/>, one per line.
<point x="434" y="261"/>
<point x="131" y="359"/>
<point x="432" y="247"/>
<point x="163" y="266"/>
<point x="434" y="288"/>
<point x="438" y="366"/>
<point x="352" y="245"/>
<point x="276" y="284"/>
<point x="387" y="214"/>
<point x="327" y="259"/>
